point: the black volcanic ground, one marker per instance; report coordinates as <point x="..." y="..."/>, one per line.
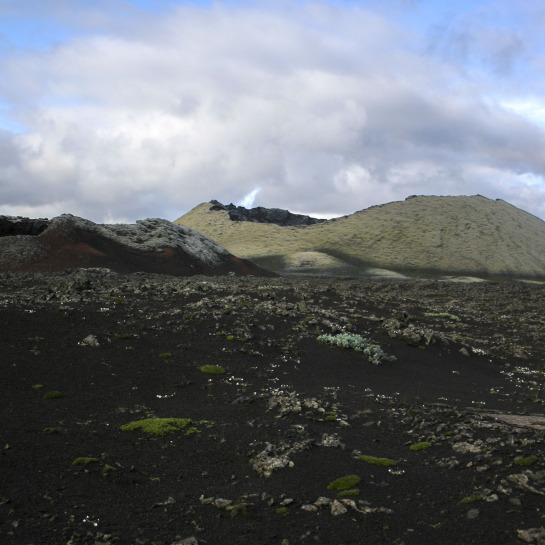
<point x="467" y="383"/>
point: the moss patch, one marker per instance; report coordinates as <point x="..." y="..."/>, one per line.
<point x="212" y="369"/>
<point x="344" y="483"/>
<point x="528" y="461"/>
<point x="471" y="499"/>
<point x="385" y="462"/>
<point x="50" y="430"/>
<point x="350" y="492"/>
<point x="158" y="426"/>
<point x="53" y="395"/>
<point x="165" y="355"/>
<point x="84" y="460"/>
<point x="420" y="446"/>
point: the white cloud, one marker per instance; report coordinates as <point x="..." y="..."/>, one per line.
<point x="325" y="109"/>
<point x="532" y="108"/>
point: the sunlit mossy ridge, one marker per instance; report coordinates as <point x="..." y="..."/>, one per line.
<point x="458" y="234"/>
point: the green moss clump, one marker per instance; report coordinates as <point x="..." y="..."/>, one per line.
<point x="350" y="492"/>
<point x="212" y="369"/>
<point x="385" y="462"/>
<point x="37" y="386"/>
<point x="123" y="336"/>
<point x="281" y="510"/>
<point x="207" y="423"/>
<point x="344" y="483"/>
<point x="230" y="337"/>
<point x="84" y="460"/>
<point x="420" y="446"/>
<point x="50" y="430"/>
<point x="471" y="499"/>
<point x="157" y="426"/>
<point x="165" y="355"/>
<point x="528" y="461"/>
<point x="53" y="395"/>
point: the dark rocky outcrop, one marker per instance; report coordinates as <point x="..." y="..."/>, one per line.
<point x="278" y="216"/>
<point x="151" y="245"/>
<point x="13" y="226"/>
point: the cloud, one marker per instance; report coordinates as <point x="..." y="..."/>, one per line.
<point x="324" y="108"/>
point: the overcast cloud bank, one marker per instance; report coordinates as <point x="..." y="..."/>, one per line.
<point x="322" y="109"/>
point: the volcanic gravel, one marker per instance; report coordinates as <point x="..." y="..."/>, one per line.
<point x="458" y="414"/>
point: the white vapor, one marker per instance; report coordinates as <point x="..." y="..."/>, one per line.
<point x="324" y="109"/>
<point x="248" y="200"/>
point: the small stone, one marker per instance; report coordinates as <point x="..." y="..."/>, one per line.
<point x="465" y="447"/>
<point x="90" y="340"/>
<point x="472" y="514"/>
<point x="532" y="534"/>
<point x="309" y="507"/>
<point x="350" y="503"/>
<point x="515" y="501"/>
<point x="464" y="352"/>
<point x="330" y="441"/>
<point x="338" y="508"/>
<point x="285" y="502"/>
<point x="491" y="498"/>
<point x="222" y="503"/>
<point x="322" y="501"/>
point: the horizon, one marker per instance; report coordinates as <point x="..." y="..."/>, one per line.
<point x="292" y="211"/>
<point x="118" y="110"/>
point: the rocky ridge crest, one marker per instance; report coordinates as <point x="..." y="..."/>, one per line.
<point x="276" y="216"/>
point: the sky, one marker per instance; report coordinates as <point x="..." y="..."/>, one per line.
<point x="119" y="110"/>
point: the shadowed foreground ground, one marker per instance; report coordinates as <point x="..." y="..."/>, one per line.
<point x="121" y="348"/>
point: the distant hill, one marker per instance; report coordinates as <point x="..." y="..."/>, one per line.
<point x="463" y="235"/>
<point x="151" y="245"/>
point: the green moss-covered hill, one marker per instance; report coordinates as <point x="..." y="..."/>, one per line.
<point x="465" y="235"/>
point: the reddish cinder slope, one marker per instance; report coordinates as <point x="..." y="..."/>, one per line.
<point x="152" y="246"/>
